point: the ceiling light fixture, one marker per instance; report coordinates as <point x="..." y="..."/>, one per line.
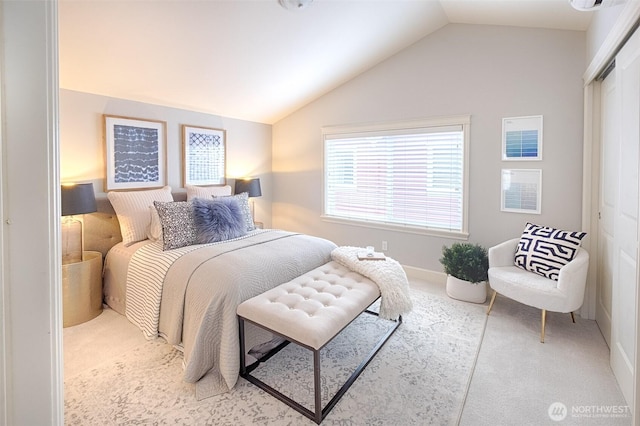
<point x="295" y="4"/>
<point x="589" y="5"/>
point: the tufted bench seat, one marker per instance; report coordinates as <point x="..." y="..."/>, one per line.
<point x="310" y="311"/>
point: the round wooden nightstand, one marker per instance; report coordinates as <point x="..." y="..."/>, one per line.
<point x="82" y="289"/>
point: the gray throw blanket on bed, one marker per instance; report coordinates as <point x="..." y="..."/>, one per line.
<point x="202" y="289"/>
<point x="388" y="274"/>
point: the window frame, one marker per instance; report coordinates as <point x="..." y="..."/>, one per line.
<point x="401" y="126"/>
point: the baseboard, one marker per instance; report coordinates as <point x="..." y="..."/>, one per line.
<point x="425" y="275"/>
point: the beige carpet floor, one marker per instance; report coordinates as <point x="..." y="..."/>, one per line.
<point x="520" y="381"/>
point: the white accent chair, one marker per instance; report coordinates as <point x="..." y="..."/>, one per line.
<point x="565" y="295"/>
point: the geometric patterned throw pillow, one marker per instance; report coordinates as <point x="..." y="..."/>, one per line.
<point x="178" y="228"/>
<point x="545" y="250"/>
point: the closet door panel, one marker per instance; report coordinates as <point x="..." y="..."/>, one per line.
<point x="625" y="277"/>
<point x="608" y="198"/>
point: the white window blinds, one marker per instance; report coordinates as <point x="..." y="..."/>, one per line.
<point x="410" y="177"/>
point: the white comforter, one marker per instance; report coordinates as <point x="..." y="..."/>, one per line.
<point x="190" y="295"/>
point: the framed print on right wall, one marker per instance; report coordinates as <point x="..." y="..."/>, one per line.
<point x="521" y="191"/>
<point x="522" y="138"/>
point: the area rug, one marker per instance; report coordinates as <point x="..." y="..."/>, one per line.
<point x="419" y="377"/>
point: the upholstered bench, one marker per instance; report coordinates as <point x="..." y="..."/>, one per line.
<point x="310" y="311"/>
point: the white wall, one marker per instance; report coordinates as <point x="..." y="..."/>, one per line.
<point x="82" y="149"/>
<point x="601" y="24"/>
<point x="31" y="322"/>
<point x="489" y="72"/>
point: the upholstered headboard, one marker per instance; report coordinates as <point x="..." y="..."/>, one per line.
<point x="102" y="230"/>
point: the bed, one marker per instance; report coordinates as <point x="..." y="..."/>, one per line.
<point x="188" y="295"/>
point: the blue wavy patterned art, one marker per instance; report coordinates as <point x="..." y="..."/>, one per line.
<point x="136" y="154"/>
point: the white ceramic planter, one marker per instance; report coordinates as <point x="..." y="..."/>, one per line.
<point x="466" y="291"/>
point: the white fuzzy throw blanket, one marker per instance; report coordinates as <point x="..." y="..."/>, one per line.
<point x="387" y="274"/>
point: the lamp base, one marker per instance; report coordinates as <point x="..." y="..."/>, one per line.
<point x="71" y="240"/>
<point x="253" y="210"/>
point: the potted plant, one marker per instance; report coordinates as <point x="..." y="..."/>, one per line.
<point x="466" y="266"/>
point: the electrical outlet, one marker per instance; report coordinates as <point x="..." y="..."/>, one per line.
<point x="384" y="246"/>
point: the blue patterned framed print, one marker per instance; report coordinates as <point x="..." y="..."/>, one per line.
<point x="521" y="191"/>
<point x="522" y="138"/>
<point x="135" y="153"/>
<point x="204" y="156"/>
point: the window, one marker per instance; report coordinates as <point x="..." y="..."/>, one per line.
<point x="408" y="175"/>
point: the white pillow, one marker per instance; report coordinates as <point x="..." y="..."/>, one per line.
<point x="132" y="209"/>
<point x="155" y="228"/>
<point x="206" y="191"/>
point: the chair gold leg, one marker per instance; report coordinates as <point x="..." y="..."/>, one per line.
<point x="544" y="317"/>
<point x="573" y="318"/>
<point x="493" y="299"/>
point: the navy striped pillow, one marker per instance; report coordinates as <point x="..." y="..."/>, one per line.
<point x="545" y="250"/>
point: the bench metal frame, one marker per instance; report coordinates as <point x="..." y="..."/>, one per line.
<point x="320" y="413"/>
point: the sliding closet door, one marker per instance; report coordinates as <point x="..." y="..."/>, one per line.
<point x="609" y="166"/>
<point x="625" y="245"/>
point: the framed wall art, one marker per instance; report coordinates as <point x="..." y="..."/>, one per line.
<point x="522" y="138"/>
<point x="521" y="190"/>
<point x="204" y="155"/>
<point x="135" y="153"/>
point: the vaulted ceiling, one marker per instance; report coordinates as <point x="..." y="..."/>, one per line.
<point x="252" y="59"/>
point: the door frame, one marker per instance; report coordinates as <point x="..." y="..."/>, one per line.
<point x="31" y="358"/>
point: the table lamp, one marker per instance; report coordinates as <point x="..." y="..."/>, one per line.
<point x="76" y="199"/>
<point x="252" y="187"/>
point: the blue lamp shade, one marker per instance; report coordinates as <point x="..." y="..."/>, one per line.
<point x="250" y="186"/>
<point x="78" y="199"/>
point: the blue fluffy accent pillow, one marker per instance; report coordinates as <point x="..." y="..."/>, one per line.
<point x="219" y="219"/>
